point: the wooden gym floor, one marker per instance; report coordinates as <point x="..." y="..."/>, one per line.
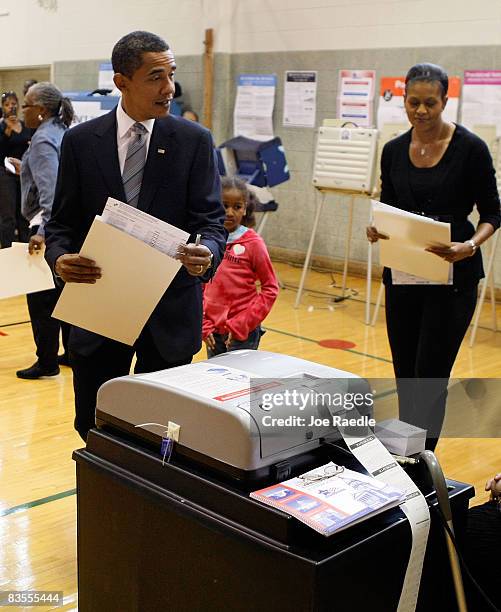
<point x="37" y="475"/>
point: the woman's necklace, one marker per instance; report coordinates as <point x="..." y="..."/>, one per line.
<point x="423" y="148"/>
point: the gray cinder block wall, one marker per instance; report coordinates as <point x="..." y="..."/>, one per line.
<point x="290" y="226"/>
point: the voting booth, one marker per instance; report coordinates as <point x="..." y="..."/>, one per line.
<point x="88" y="106"/>
<point x="256" y="162"/>
<point x="344" y="164"/>
<point x="182" y="533"/>
<point x="260" y="164"/>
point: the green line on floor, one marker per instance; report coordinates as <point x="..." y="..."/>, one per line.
<point x="37" y="502"/>
<point x="15" y="323"/>
<point x="284" y="333"/>
<point x="278" y="331"/>
<point x="368" y="355"/>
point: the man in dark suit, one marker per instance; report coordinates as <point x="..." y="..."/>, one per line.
<point x="166" y="167"/>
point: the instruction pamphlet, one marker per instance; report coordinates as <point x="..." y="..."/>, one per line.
<point x="330" y="498"/>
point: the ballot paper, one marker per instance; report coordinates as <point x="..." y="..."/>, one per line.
<point x="409" y="236"/>
<point x="380" y="464"/>
<point x="134" y="278"/>
<point x="152" y="231"/>
<point x="369" y="451"/>
<point x="23" y="273"/>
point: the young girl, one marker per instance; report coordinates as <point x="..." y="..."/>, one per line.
<point x="233" y="307"/>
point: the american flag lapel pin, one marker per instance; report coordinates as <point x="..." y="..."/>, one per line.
<point x="161" y="151"/>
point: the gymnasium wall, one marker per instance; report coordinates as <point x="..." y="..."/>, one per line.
<point x="267" y="36"/>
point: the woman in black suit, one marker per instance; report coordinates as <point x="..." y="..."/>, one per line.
<point x="441" y="170"/>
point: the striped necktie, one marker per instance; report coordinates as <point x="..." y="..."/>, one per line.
<point x="134" y="164"/>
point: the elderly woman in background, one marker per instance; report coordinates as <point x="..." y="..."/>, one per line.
<point x="47" y="111"/>
<point x="14" y="139"/>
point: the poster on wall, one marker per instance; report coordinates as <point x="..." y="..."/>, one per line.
<point x="356" y="95"/>
<point x="391" y="101"/>
<point x="300" y="98"/>
<point x="358" y="113"/>
<point x="451" y="112"/>
<point x="254" y="104"/>
<point x="105" y="76"/>
<point x="482" y="99"/>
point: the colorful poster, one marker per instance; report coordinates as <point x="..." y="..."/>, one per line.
<point x="356" y="95"/>
<point x="451" y="112"/>
<point x="391" y="101"/>
<point x="359" y="114"/>
<point x="481" y="99"/>
<point x="357" y="84"/>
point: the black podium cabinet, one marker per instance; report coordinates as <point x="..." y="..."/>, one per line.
<point x="171" y="537"/>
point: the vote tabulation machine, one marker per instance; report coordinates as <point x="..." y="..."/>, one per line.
<point x="246" y="413"/>
<point x="178" y="530"/>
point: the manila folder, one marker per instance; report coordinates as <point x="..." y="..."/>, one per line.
<point x="134" y="278"/>
<point x="23" y="273"/>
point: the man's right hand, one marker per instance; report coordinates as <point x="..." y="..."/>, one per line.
<point x="73" y="268"/>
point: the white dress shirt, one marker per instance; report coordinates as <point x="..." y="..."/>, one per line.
<point x="124" y="124"/>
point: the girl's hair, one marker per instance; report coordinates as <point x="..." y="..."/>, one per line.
<point x="233" y="182"/>
<point x="429" y="73"/>
<point x="50" y="97"/>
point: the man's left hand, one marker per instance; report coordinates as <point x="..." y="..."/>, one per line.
<point x="195" y="258"/>
<point x="455" y="252"/>
<point x="36" y="244"/>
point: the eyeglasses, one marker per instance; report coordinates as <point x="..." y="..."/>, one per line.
<point x="329" y="471"/>
<point x="23" y="106"/>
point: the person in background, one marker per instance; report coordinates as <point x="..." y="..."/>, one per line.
<point x="440" y="170"/>
<point x="27" y="84"/>
<point x="481" y="548"/>
<point x="190" y="114"/>
<point x="14" y="139"/>
<point x="233" y="306"/>
<point x="50" y="114"/>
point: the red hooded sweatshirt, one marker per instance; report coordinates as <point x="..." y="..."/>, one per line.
<point x="232" y="302"/>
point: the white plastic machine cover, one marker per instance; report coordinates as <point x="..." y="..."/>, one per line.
<point x="218" y="415"/>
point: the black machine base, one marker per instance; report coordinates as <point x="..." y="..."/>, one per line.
<point x="171" y="537"/>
